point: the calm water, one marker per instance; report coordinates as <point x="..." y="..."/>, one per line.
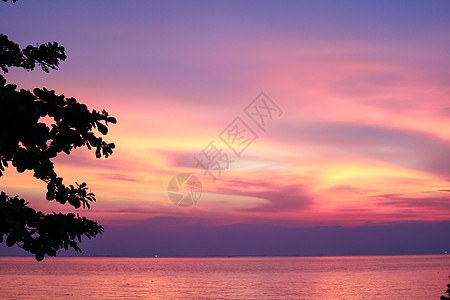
<point x="374" y="277"/>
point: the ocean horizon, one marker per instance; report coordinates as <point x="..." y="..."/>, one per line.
<point x="343" y="277"/>
<point x="64" y="255"/>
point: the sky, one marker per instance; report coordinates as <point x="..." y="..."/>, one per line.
<point x="359" y="145"/>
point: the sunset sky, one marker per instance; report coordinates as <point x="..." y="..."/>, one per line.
<point x="364" y="87"/>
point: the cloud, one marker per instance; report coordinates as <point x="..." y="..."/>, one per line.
<point x="85" y="158"/>
<point x="349" y="189"/>
<point x="278" y="197"/>
<point x="182" y="159"/>
<point x="435" y="200"/>
<point x="281" y="199"/>
<point x="121" y="177"/>
<point x="445" y="111"/>
<point x="404" y="147"/>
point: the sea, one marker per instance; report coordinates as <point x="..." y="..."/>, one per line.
<point x="357" y="277"/>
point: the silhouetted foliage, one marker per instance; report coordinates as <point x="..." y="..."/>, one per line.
<point x="448" y="292"/>
<point x="40" y="233"/>
<point x="27" y="143"/>
<point x="46" y="55"/>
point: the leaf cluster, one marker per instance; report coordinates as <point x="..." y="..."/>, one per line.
<point x="36" y="126"/>
<point x="47" y="56"/>
<point x="40" y="233"/>
<point x="28" y="143"/>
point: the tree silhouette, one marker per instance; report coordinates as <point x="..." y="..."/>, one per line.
<point x="447" y="291"/>
<point x="27" y="143"/>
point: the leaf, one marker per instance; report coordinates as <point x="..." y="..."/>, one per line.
<point x="112" y="120"/>
<point x="10" y="241"/>
<point x="102" y="128"/>
<point x="50" y="195"/>
<point x="39" y="256"/>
